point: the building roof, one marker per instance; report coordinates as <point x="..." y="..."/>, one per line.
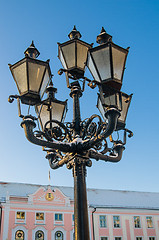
<point x="96" y="197"/>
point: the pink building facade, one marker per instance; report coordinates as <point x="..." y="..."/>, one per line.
<point x="33" y="212"/>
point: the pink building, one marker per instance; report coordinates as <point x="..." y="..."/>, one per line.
<point x="34" y="212"/>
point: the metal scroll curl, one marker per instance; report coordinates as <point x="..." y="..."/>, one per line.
<point x="91" y="126"/>
<point x="56" y="130"/>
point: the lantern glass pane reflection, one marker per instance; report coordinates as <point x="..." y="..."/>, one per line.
<point x="69" y="54"/>
<point x="20" y="77"/>
<point x="102" y="61"/>
<point x="57" y="112"/>
<point x="118" y="62"/>
<point x="36" y="73"/>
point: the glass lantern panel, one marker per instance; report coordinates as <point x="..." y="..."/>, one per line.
<point x="36" y="72"/>
<point x="110" y="100"/>
<point x="69" y="54"/>
<point x="101" y="108"/>
<point x="57" y="110"/>
<point x="92" y="69"/>
<point x="44" y="83"/>
<point x="102" y="61"/>
<point x="125" y="106"/>
<point x="20" y="77"/>
<point x="62" y="59"/>
<point x="81" y="55"/>
<point x="118" y="62"/>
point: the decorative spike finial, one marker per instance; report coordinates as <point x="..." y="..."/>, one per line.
<point x="103" y="37"/>
<point x="74" y="34"/>
<point x="32" y="51"/>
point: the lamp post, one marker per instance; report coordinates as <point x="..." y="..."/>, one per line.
<point x="76" y="142"/>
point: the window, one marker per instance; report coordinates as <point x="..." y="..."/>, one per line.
<point x="102" y="220"/>
<point x="104" y="238"/>
<point x="20" y="215"/>
<point x="73" y="218"/>
<point x="39" y="216"/>
<point x="116" y="220"/>
<point x="138" y="238"/>
<point x="39" y="235"/>
<point x="117" y="238"/>
<point x="149" y="222"/>
<point x="58" y="235"/>
<point x="151" y="238"/>
<point x="137" y="222"/>
<point x="19" y="235"/>
<point x="58" y="217"/>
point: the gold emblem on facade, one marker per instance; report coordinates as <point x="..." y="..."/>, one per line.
<point x="49" y="196"/>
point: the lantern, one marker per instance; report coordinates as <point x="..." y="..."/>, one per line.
<point x="119" y="100"/>
<point x="51" y="108"/>
<point x="73" y="54"/>
<point x="31" y="76"/>
<point x="106" y="62"/>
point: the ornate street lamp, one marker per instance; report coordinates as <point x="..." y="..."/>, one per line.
<point x="76" y="142"/>
<point x="106" y="63"/>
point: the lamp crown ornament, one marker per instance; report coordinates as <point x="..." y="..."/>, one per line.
<point x="103" y="37"/>
<point x="74" y="34"/>
<point x="32" y="51"/>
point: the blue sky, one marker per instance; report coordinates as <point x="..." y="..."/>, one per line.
<point x="131" y="23"/>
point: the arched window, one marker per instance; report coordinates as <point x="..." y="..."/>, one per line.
<point x="19" y="235"/>
<point x="58" y="235"/>
<point x="39" y="235"/>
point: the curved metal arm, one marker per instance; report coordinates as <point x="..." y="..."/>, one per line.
<point x="29" y="125"/>
<point x="112" y="116"/>
<point x="54" y="163"/>
<point x="119" y="148"/>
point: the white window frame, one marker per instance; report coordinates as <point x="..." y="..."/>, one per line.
<point x="103" y="215"/>
<point x="134" y="222"/>
<point x="104" y="237"/>
<point x="152" y="223"/>
<point x="20" y="220"/>
<point x="151" y="237"/>
<point x="139" y="237"/>
<point x="119" y="221"/>
<point x="117" y="237"/>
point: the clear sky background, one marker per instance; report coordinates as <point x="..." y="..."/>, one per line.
<point x="132" y="23"/>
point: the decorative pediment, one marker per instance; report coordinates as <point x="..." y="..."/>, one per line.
<point x="49" y="196"/>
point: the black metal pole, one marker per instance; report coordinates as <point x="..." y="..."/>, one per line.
<point x="81" y="223"/>
<point x="79" y="174"/>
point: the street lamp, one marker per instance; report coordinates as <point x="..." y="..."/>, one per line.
<point x="76" y="142"/>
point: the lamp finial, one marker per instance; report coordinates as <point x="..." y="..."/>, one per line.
<point x="74" y="34"/>
<point x="32" y="51"/>
<point x="103" y="37"/>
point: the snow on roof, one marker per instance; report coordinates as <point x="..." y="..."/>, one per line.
<point x="96" y="197"/>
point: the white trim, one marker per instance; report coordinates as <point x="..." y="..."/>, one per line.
<point x="41" y="229"/>
<point x="58" y="229"/>
<point x="5" y="212"/>
<point x="20" y="228"/>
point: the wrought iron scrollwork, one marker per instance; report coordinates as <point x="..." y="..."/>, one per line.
<point x="56" y="130"/>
